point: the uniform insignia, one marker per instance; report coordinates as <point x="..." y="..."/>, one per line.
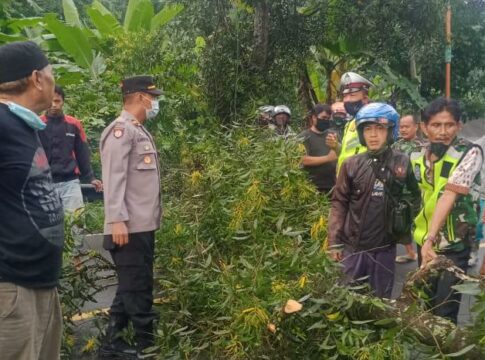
<point x="147" y="147"/>
<point x="400" y="171"/>
<point x="135" y="122"/>
<point x="147" y="160"/>
<point x="118" y="132"/>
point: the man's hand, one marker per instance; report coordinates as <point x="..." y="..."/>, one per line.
<point x="119" y="233"/>
<point x="98" y="185"/>
<point x="332" y="155"/>
<point x="332" y="141"/>
<point x="482" y="268"/>
<point x="427" y="253"/>
<point x="336" y="255"/>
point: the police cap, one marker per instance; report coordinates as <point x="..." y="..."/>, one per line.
<point x="140" y="83"/>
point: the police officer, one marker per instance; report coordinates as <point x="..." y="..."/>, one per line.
<point x="354" y="89"/>
<point x="132" y="206"/>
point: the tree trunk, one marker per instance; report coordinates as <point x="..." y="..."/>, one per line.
<point x="261" y="34"/>
<point x="306" y="94"/>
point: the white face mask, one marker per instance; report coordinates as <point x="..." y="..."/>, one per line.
<point x="30" y="118"/>
<point x="153" y="111"/>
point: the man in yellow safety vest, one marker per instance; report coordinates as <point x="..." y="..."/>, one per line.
<point x="448" y="175"/>
<point x="354" y="89"/>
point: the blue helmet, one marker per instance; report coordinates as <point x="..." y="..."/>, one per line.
<point x="376" y="113"/>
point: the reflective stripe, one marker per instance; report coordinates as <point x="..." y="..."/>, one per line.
<point x="430" y="192"/>
<point x="350" y="144"/>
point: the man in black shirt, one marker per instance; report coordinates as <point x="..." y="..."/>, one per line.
<point x="66" y="146"/>
<point x="32" y="222"/>
<point x="320" y="161"/>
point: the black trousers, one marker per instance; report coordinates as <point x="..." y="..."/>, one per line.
<point x="444" y="300"/>
<point x="134" y="267"/>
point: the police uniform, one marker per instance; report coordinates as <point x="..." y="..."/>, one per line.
<point x="131" y="177"/>
<point x="351" y="82"/>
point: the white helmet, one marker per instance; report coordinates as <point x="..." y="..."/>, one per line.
<point x="281" y="109"/>
<point x="266" y="109"/>
<point x="352" y="82"/>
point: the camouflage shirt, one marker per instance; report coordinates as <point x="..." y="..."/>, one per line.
<point x="409" y="146"/>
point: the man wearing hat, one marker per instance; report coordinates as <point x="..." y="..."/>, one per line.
<point x="132" y="206"/>
<point x="31" y="221"/>
<point x="354" y="89"/>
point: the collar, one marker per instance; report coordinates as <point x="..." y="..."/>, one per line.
<point x="130" y="117"/>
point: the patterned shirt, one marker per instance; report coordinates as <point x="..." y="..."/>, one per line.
<point x="461" y="180"/>
<point x="409" y="146"/>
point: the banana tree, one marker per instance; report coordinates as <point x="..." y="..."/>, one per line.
<point x="83" y="44"/>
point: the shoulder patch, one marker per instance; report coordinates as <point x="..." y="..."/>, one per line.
<point x="118" y="132"/>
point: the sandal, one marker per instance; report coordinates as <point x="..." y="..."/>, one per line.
<point x="403" y="259"/>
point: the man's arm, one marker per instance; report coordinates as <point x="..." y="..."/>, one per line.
<point x="307" y="160"/>
<point x="338" y="212"/>
<point x="413" y="187"/>
<point x="115" y="150"/>
<point x="82" y="152"/>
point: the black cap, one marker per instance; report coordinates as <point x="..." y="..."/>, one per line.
<point x="19" y="59"/>
<point x="141" y="83"/>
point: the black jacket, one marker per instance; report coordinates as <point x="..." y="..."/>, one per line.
<point x="352" y="194"/>
<point x="66" y="147"/>
<point x="32" y="219"/>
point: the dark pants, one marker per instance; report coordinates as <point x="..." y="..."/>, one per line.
<point x="443" y="300"/>
<point x="377" y="265"/>
<point x="134" y="267"/>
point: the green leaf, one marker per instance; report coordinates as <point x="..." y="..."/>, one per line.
<point x="6" y="38"/>
<point x="72" y="39"/>
<point x="468" y="288"/>
<point x="98" y="66"/>
<point x="103" y="19"/>
<point x="16" y="25"/>
<point x="461" y="352"/>
<point x="167" y="14"/>
<point x="138" y="15"/>
<point x="71" y="15"/>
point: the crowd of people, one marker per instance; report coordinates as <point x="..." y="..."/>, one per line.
<point x="390" y="179"/>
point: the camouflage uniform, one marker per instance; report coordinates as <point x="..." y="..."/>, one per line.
<point x="407" y="147"/>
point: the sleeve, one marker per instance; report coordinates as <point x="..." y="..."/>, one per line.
<point x="339" y="207"/>
<point x="413" y="188"/>
<point x="462" y="178"/>
<point x="116" y="145"/>
<point x="83" y="153"/>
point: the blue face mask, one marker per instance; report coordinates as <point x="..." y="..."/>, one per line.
<point x="30" y="118"/>
<point x="153" y="112"/>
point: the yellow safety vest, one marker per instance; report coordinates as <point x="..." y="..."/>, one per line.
<point x="350" y="144"/>
<point x="430" y="193"/>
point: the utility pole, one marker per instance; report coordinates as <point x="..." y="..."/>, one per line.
<point x="448" y="51"/>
